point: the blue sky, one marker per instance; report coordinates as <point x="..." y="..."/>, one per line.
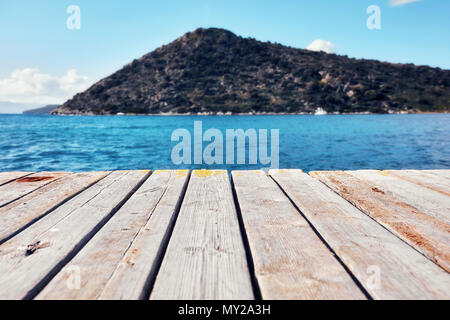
<point x="51" y="62"/>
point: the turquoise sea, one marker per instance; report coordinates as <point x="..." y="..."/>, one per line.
<point x="332" y="142"/>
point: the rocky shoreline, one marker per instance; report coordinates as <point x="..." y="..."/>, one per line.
<point x="168" y="114"/>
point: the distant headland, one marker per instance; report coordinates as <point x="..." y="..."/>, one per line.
<point x="213" y="71"/>
<point x="43" y="110"/>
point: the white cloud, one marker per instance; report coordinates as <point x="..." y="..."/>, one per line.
<point x="395" y="3"/>
<point x="31" y="86"/>
<point x="322" y="45"/>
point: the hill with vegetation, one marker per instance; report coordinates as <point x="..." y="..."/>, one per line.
<point x="215" y="71"/>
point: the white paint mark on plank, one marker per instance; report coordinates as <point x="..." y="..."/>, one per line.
<point x="290" y="260"/>
<point x="59" y="234"/>
<point x="127" y="245"/>
<point x="205" y="258"/>
<point x="363" y="245"/>
<point x="24" y="211"/>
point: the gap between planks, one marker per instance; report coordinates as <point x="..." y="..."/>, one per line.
<point x="25" y="211"/>
<point x="61" y="234"/>
<point x="130" y="245"/>
<point x="7" y="177"/>
<point x="290" y="260"/>
<point x="422" y="225"/>
<point x="366" y="247"/>
<point x="19" y="188"/>
<point x="134" y="273"/>
<point x="205" y="258"/>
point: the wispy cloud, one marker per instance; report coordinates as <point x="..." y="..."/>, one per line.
<point x="30" y="85"/>
<point x="396" y="3"/>
<point x="322" y="45"/>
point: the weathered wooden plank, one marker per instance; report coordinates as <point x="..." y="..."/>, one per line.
<point x="6" y="177"/>
<point x="30" y="259"/>
<point x="137" y="270"/>
<point x="290" y="260"/>
<point x="424" y="179"/>
<point x="441" y="173"/>
<point x="386" y="266"/>
<point x="205" y="258"/>
<point x="422" y="231"/>
<point x="425" y="200"/>
<point x="117" y="261"/>
<point x="21" y="213"/>
<point x="21" y="187"/>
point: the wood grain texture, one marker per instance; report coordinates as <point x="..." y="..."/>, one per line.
<point x="427" y="234"/>
<point x="440" y="173"/>
<point x="205" y="258"/>
<point x="30" y="259"/>
<point x="387" y="267"/>
<point x="6" y="177"/>
<point x="425" y="179"/>
<point x="290" y="260"/>
<point x="21" y="187"/>
<point x="116" y="263"/>
<point x="425" y="200"/>
<point x="26" y="210"/>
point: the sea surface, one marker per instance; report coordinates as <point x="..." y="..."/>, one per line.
<point x="332" y="142"/>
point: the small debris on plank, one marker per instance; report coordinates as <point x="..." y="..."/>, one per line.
<point x="31" y="248"/>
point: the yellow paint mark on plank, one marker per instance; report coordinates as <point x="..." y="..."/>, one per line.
<point x="160" y="171"/>
<point x="142" y="171"/>
<point x="206" y="173"/>
<point x="179" y="173"/>
<point x="182" y="173"/>
<point x="383" y="173"/>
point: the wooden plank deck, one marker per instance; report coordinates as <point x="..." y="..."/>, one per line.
<point x="205" y="258"/>
<point x="6" y="177"/>
<point x="286" y="252"/>
<point x="201" y="235"/>
<point x="19" y="188"/>
<point x="415" y="220"/>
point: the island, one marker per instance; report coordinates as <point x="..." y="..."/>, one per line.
<point x="214" y="71"/>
